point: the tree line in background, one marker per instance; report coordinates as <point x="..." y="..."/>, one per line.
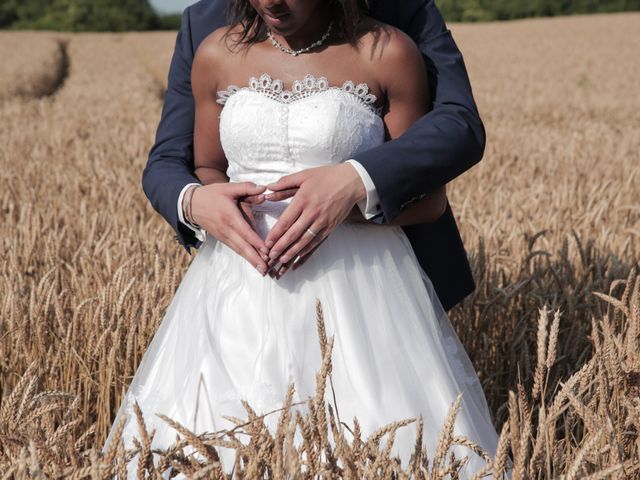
<point x="84" y="15"/>
<point x="122" y="15"/>
<point x="486" y="10"/>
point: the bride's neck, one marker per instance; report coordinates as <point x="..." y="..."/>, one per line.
<point x="310" y="32"/>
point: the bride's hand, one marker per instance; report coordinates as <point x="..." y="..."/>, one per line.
<point x="227" y="220"/>
<point x="355" y="215"/>
<point x="325" y="197"/>
<point x="246" y="207"/>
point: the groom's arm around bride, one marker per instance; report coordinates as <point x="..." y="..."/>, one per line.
<point x="437" y="148"/>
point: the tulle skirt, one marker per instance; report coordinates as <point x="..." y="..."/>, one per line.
<point x="231" y="334"/>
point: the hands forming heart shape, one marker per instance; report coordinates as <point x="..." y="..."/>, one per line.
<point x="276" y="266"/>
<point x="323" y="197"/>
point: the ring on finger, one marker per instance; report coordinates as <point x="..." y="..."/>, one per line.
<point x="311" y="231"/>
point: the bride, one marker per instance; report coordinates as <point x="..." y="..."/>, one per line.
<point x="290" y="86"/>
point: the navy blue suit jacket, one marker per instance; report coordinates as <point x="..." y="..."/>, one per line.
<point x="437" y="148"/>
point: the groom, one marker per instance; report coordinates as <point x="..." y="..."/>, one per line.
<point x="386" y="179"/>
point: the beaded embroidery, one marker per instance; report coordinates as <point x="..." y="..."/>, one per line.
<point x="310" y="85"/>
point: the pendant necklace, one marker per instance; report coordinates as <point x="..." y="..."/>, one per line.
<point x="295" y="53"/>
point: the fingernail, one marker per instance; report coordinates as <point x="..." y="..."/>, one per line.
<point x="269" y="243"/>
<point x="284" y="259"/>
<point x="269" y="196"/>
<point x="261" y="269"/>
<point x="274" y="254"/>
<point x="275" y="265"/>
<point x="264" y="250"/>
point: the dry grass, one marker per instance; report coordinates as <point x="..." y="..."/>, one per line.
<point x="153" y="50"/>
<point x="33" y="63"/>
<point x="560" y="102"/>
<point x="552" y="213"/>
<point x="549" y="216"/>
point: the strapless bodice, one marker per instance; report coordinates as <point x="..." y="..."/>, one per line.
<point x="267" y="132"/>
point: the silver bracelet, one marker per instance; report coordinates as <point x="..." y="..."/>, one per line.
<point x="187" y="206"/>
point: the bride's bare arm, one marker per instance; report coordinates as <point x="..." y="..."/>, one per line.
<point x="405" y="82"/>
<point x="214" y="206"/>
<point x="209" y="159"/>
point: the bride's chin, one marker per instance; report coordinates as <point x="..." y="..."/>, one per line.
<point x="282" y="25"/>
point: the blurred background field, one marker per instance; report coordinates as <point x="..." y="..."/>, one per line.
<point x="549" y="216"/>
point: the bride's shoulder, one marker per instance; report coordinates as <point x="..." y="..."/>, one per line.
<point x="212" y="58"/>
<point x="387" y="46"/>
<point x="217" y="45"/>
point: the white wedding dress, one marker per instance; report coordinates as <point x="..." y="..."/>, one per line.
<point x="231" y="333"/>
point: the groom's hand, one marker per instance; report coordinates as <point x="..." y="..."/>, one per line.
<point x="224" y="211"/>
<point x="325" y="196"/>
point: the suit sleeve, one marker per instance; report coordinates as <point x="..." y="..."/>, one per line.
<point x="445" y="142"/>
<point x="170" y="164"/>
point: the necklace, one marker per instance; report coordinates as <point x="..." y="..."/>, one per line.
<point x="295" y="53"/>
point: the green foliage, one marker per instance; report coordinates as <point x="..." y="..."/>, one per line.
<point x="169" y="22"/>
<point x="83" y="15"/>
<point x="484" y="10"/>
<point x="121" y="15"/>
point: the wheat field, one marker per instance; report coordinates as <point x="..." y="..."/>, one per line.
<point x="550" y="218"/>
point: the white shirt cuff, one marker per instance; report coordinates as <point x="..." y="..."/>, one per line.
<point x="370" y="206"/>
<point x="200" y="233"/>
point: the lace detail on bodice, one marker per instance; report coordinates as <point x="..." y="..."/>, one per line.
<point x="310" y="85"/>
<point x="267" y="132"/>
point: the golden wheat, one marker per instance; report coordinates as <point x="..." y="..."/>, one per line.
<point x="33" y="63"/>
<point x="550" y="216"/>
<point x="560" y="102"/>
